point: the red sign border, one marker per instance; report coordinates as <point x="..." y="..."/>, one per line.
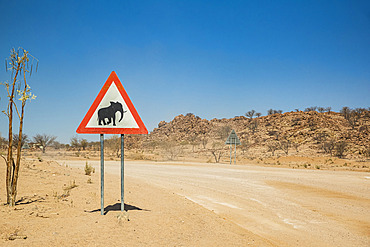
<point x="113" y="78"/>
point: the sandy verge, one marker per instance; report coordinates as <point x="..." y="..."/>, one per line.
<point x="51" y="211"/>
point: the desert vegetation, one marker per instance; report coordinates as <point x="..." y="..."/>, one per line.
<point x="314" y="132"/>
<point x="20" y="64"/>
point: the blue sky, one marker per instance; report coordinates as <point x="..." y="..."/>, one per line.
<point x="216" y="59"/>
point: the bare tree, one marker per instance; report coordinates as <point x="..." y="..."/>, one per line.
<point x="250" y="114"/>
<point x="272" y="147"/>
<point x="24" y="139"/>
<point x="284" y="145"/>
<point x="359" y="111"/>
<point x="272" y="111"/>
<point x="217" y="151"/>
<point x="172" y="150"/>
<point x="193" y="140"/>
<point x="258" y="114"/>
<point x="20" y="65"/>
<point x="312" y="108"/>
<point x="321" y="109"/>
<point x="345" y="112"/>
<point x="75" y="142"/>
<point x="204" y="142"/>
<point x="44" y="140"/>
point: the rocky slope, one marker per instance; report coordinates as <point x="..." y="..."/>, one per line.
<point x="306" y="133"/>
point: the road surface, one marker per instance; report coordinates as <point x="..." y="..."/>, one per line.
<point x="289" y="207"/>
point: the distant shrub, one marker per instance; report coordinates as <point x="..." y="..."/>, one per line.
<point x="272" y="111"/>
<point x="346" y="112"/>
<point x="312" y="108"/>
<point x="321" y="109"/>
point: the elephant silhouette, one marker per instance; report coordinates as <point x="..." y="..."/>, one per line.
<point x="110" y="113"/>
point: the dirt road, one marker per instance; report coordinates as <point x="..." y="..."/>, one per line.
<point x="289" y="207"/>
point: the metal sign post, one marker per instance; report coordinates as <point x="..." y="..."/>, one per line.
<point x="122" y="173"/>
<point x="102" y="173"/>
<point x="230" y="153"/>
<point x="235" y="155"/>
<point x="232" y="139"/>
<point x="101" y="119"/>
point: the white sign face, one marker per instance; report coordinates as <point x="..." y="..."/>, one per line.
<point x="112" y="112"/>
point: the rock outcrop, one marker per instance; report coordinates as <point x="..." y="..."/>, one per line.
<point x="312" y="132"/>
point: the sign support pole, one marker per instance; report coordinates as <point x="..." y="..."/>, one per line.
<point x="235" y="155"/>
<point x="230" y="154"/>
<point x="102" y="173"/>
<point x="122" y="172"/>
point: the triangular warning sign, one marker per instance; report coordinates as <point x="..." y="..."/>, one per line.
<point x="233" y="138"/>
<point x="112" y="112"/>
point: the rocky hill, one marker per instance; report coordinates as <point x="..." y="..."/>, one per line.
<point x="345" y="134"/>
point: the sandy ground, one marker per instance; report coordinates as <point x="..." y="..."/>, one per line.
<point x="289" y="207"/>
<point x="60" y="206"/>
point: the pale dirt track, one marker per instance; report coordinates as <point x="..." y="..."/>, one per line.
<point x="286" y="206"/>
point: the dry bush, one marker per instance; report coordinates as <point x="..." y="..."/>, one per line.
<point x="171" y="150"/>
<point x="217" y="151"/>
<point x="89" y="169"/>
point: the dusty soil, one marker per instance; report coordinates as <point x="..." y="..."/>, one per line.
<point x="60" y="206"/>
<point x="289" y="207"/>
